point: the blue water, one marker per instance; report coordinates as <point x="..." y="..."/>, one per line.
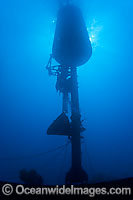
<point x="29" y="102"/>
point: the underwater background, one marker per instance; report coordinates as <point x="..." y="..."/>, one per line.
<point x="29" y="101"/>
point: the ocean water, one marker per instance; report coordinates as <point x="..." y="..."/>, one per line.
<point x="29" y="101"/>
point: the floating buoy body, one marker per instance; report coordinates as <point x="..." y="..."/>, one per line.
<point x="71" y="44"/>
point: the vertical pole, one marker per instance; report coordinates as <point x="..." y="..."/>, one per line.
<point x="64" y="74"/>
<point x="65" y="102"/>
<point x="76" y="146"/>
<point x="76" y="173"/>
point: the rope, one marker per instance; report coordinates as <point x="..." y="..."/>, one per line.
<point x="63" y="163"/>
<point x="88" y="160"/>
<point x="34" y="155"/>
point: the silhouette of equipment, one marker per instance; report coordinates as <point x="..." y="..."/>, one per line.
<point x="62" y="126"/>
<point x="71" y="48"/>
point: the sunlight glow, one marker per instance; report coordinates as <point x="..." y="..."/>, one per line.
<point x="94" y="30"/>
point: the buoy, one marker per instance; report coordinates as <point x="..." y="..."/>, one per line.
<point x="71" y="46"/>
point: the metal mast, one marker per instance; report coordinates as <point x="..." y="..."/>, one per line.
<point x="76" y="173"/>
<point x="71" y="48"/>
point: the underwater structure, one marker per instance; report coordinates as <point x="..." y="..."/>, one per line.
<point x="71" y="49"/>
